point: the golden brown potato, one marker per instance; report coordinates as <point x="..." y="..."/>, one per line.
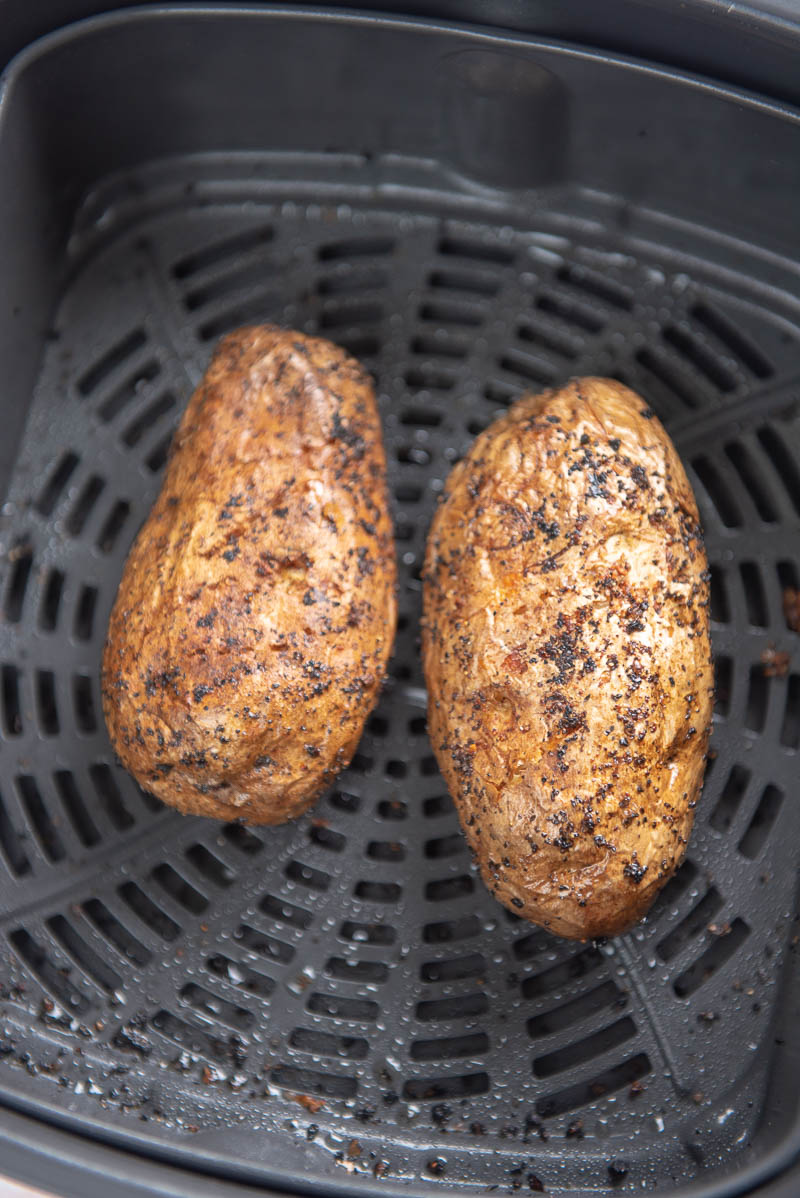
<point x="256" y="611"/>
<point x="567" y="656"/>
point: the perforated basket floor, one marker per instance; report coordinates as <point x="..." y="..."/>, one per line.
<point x="340" y="996"/>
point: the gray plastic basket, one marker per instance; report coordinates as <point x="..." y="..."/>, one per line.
<point x="338" y="1004"/>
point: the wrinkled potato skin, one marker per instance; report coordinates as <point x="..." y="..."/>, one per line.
<point x="256" y="612"/>
<point x="567" y="655"/>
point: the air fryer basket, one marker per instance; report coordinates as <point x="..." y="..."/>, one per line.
<point x="338" y="1003"/>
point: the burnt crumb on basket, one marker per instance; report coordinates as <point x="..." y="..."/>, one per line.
<point x="775" y="663"/>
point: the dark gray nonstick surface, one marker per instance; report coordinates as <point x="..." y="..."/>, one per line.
<point x="339" y="1000"/>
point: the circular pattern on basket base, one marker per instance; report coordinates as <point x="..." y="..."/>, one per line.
<point x="346" y="981"/>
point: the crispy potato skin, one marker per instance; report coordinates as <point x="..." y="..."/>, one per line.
<point x="256" y="611"/>
<point x="567" y="655"/>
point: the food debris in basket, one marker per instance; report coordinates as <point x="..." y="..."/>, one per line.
<point x="775" y="662"/>
<point x="791" y="608"/>
<point x="312" y="1105"/>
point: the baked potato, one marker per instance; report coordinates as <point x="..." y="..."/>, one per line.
<point x="567" y="656"/>
<point x="256" y="611"/>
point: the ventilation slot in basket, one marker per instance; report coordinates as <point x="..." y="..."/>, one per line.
<point x="450" y="1048"/>
<point x="209" y="866"/>
<point x="216" y="1008"/>
<point x="84" y="613"/>
<point x="128" y="391"/>
<point x="179" y="889"/>
<point x="115" y="932"/>
<point x="666" y="372"/>
<point x="720" y="606"/>
<point x="251" y="980"/>
<point x="285" y="912"/>
<point x="11" y="844"/>
<point x="224" y="250"/>
<point x="305" y="875"/>
<point x="434" y="1089"/>
<point x="190" y="1038"/>
<point x="51" y="601"/>
<point x="730" y="799"/>
<point x="323" y="1044"/>
<point x="735" y="342"/>
<point x="21" y="558"/>
<point x="754" y="596"/>
<point x="358" y="247"/>
<point x="618" y="1077"/>
<point x="558" y="341"/>
<point x="242" y="838"/>
<point x="41" y="821"/>
<point x="723" y="685"/>
<point x="75" y="808"/>
<point x="579" y="1052"/>
<point x="110" y="362"/>
<point x="49" y="974"/>
<point x="596" y="285"/>
<point x="262" y="944"/>
<point x="699" y="356"/>
<point x="457" y="1006"/>
<point x="352" y="1010"/>
<point x="760" y="826"/>
<point x="783" y="462"/>
<point x="109" y="796"/>
<point x="718" y="491"/>
<point x="307" y="1081"/>
<point x="451" y="312"/>
<point x="367" y="933"/>
<point x="147" y="419"/>
<point x="146" y="910"/>
<point x="54" y="487"/>
<point x="561" y="975"/>
<point x="790" y="728"/>
<point x="713" y="959"/>
<point x="565" y="1015"/>
<point x="12" y="715"/>
<point x="85" y="957"/>
<point x="755" y="716"/>
<point x="691" y="926"/>
<point x="752" y="478"/>
<point x="82" y="508"/>
<point x="453" y="969"/>
<point x="254" y="310"/>
<point x="357" y="971"/>
<point x="477" y="251"/>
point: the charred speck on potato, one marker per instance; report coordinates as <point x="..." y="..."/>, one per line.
<point x="567" y="654"/>
<point x="256" y="611"/>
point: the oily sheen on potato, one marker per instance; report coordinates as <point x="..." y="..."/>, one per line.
<point x="256" y="611"/>
<point x="567" y="656"/>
